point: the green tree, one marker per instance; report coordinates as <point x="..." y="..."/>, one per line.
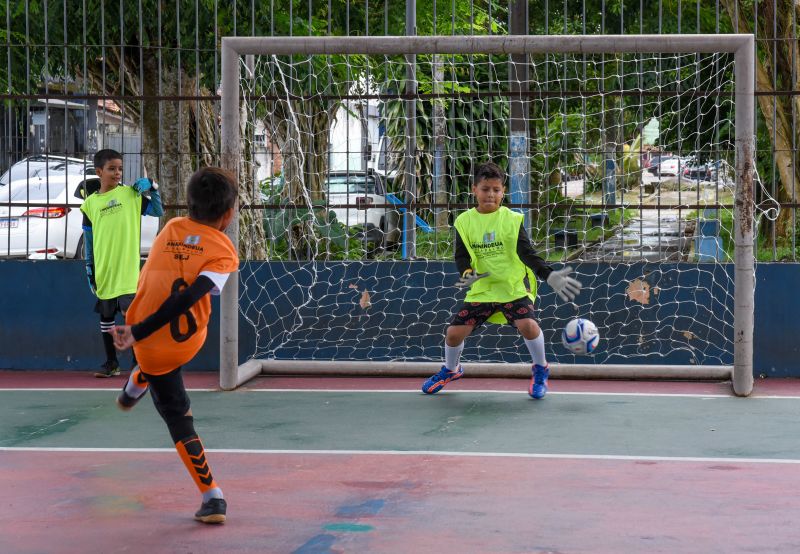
<point x="777" y="68"/>
<point x="161" y="60"/>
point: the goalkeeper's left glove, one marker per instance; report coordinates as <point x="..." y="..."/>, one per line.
<point x="565" y="286"/>
<point x="144" y="184"/>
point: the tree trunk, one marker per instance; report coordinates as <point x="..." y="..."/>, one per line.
<point x="165" y="137"/>
<point x="780" y="131"/>
<point x="252" y="237"/>
<point x="301" y="131"/>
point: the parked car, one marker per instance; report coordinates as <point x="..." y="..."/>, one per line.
<point x="367" y="191"/>
<point x="366" y="195"/>
<point x="43" y="167"/>
<point x="653" y="163"/>
<point x="673" y="166"/>
<point x="709" y="171"/>
<point x="36" y="219"/>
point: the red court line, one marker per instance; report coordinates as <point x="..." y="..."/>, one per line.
<point x="210" y="380"/>
<point x="72" y="502"/>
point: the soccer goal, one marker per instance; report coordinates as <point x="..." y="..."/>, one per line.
<point x="630" y="156"/>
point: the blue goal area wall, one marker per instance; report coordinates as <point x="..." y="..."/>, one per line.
<point x="315" y="313"/>
<point x="48" y="320"/>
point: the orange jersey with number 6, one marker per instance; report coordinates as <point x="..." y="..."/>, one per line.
<point x="182" y="251"/>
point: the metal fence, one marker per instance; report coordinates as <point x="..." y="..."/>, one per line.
<point x="144" y="77"/>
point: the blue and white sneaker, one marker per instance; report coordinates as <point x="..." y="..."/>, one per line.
<point x="437" y="382"/>
<point x="538" y="386"/>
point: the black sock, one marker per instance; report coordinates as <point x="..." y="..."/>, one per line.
<point x="108" y="342"/>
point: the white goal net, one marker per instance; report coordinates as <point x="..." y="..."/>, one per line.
<point x="359" y="154"/>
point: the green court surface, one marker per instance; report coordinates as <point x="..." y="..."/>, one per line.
<point x="371" y="465"/>
<point x="463" y="421"/>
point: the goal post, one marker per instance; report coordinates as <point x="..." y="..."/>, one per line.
<point x="738" y="333"/>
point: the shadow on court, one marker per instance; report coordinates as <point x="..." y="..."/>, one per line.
<point x="379" y="467"/>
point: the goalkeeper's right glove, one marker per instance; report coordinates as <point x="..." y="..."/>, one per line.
<point x="144" y="184"/>
<point x="469" y="277"/>
<point x="90" y="278"/>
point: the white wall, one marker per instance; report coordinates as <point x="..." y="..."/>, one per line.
<point x="345" y="138"/>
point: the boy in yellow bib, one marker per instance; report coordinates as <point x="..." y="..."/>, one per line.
<point x="497" y="264"/>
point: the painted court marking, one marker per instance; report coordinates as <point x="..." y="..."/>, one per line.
<point x="417" y="391"/>
<point x="421" y="453"/>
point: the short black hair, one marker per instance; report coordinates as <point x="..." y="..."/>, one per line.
<point x="104" y="156"/>
<point x="211" y="192"/>
<point x="488" y="170"/>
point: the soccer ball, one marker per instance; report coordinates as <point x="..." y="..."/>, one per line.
<point x="580" y="336"/>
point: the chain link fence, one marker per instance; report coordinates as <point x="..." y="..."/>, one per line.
<point x="143" y="78"/>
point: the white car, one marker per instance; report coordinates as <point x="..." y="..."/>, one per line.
<point x="367" y="192"/>
<point x="40" y="215"/>
<point x="356" y="198"/>
<point x="673" y="166"/>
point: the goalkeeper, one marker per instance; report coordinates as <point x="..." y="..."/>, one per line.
<point x="112" y="230"/>
<point x="497" y="264"/>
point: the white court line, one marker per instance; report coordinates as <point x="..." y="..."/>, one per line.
<point x="449" y="392"/>
<point x="434" y="453"/>
<point x="78" y="389"/>
<point x="521" y="392"/>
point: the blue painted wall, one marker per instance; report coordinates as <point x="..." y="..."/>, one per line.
<point x="47" y="319"/>
<point x="304" y="311"/>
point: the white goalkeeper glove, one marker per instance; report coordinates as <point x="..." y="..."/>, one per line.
<point x="565" y="286"/>
<point x="469" y="278"/>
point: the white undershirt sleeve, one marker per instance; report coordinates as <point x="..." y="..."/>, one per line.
<point x="219" y="280"/>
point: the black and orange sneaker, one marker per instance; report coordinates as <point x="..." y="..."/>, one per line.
<point x="108" y="369"/>
<point x="212" y="511"/>
<point x="125" y="401"/>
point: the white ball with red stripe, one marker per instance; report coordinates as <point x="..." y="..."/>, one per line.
<point x="580" y="336"/>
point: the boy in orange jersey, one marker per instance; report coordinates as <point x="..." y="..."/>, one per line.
<point x="167" y="321"/>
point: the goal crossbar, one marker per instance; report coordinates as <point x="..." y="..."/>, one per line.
<point x="740" y="45"/>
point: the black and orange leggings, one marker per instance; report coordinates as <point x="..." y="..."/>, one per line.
<point x="172" y="402"/>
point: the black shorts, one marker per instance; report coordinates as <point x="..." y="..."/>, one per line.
<point x="109" y="308"/>
<point x="476" y="313"/>
<point x="169" y="394"/>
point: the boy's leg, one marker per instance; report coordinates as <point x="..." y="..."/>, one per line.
<point x="133" y="390"/>
<point x="172" y="402"/>
<point x="124" y="303"/>
<point x="467" y="318"/>
<point x="529" y="328"/>
<point x="111" y="366"/>
<point x="520" y="314"/>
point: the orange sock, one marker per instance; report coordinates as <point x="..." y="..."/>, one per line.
<point x="194" y="458"/>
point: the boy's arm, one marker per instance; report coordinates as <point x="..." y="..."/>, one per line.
<point x="528" y="256"/>
<point x="175" y="305"/>
<point x="151" y="202"/>
<point x="88" y="253"/>
<point x="565" y="286"/>
<point x="461" y="255"/>
<point x="464" y="265"/>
